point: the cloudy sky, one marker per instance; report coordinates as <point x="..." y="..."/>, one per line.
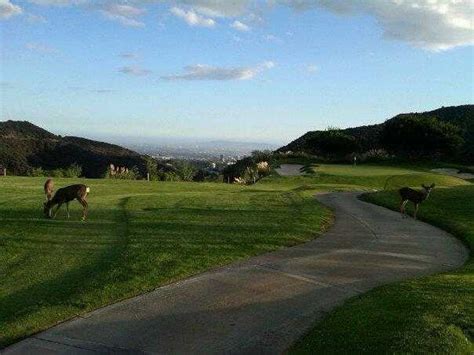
<point x="266" y="70"/>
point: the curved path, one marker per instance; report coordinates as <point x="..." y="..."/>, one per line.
<point x="289" y="170"/>
<point x="266" y="303"/>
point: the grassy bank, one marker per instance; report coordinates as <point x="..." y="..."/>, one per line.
<point x="141" y="235"/>
<point x="429" y="315"/>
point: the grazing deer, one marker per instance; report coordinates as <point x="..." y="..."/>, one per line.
<point x="66" y="195"/>
<point x="414" y="196"/>
<point x="49" y="189"/>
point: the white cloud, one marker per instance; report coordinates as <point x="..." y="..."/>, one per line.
<point x="103" y="91"/>
<point x="124" y="14"/>
<point x="192" y="18"/>
<point x="113" y="10"/>
<point x="217" y="8"/>
<point x="128" y="55"/>
<point x="268" y="64"/>
<point x="239" y="26"/>
<point x="208" y="72"/>
<point x="40" y="47"/>
<point x="133" y="70"/>
<point x="59" y="2"/>
<point x="312" y="68"/>
<point x="429" y="24"/>
<point x="272" y="38"/>
<point x="7" y="9"/>
<point x="6" y="85"/>
<point x="31" y="18"/>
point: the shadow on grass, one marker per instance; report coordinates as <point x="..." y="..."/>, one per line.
<point x="137" y="249"/>
<point x="66" y="289"/>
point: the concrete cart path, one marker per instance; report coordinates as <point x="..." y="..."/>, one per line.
<point x="289" y="170"/>
<point x="264" y="304"/>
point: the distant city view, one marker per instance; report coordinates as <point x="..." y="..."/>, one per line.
<point x="227" y="152"/>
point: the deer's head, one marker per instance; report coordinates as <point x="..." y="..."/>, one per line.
<point x="428" y="189"/>
<point x="47" y="209"/>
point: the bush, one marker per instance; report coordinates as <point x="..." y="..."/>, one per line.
<point x="122" y="173"/>
<point x="185" y="171"/>
<point x="246" y="171"/>
<point x="57" y="173"/>
<point x="73" y="171"/>
<point x="415" y="137"/>
<point x="171" y="176"/>
<point x="37" y="172"/>
<point x="332" y="143"/>
<point x="262" y="155"/>
<point x="152" y="168"/>
<point x="374" y="156"/>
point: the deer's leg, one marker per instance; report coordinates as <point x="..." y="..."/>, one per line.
<point x="402" y="207"/>
<point x="57" y="209"/>
<point x="67" y="210"/>
<point x="83" y="202"/>
<point x="417" y="205"/>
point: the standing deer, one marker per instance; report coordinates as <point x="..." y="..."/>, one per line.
<point x="414" y="196"/>
<point x="66" y="195"/>
<point x="49" y="189"/>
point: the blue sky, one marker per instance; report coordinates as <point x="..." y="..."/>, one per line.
<point x="253" y="70"/>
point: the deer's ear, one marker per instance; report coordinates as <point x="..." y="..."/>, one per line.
<point x="423" y="186"/>
<point x="433" y="185"/>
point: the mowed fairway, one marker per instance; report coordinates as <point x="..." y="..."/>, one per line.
<point x="141" y="235"/>
<point x="429" y="315"/>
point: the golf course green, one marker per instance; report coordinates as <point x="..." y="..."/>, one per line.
<point x="141" y="235"/>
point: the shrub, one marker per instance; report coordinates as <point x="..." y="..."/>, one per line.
<point x="262" y="155"/>
<point x="152" y="168"/>
<point x="171" y="176"/>
<point x="263" y="168"/>
<point x="122" y="173"/>
<point x="250" y="175"/>
<point x="57" y="173"/>
<point x="416" y="137"/>
<point x="332" y="143"/>
<point x="73" y="171"/>
<point x="37" y="172"/>
<point x="185" y="171"/>
<point x="374" y="155"/>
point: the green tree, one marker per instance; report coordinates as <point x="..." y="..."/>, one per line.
<point x="185" y="171"/>
<point x="332" y="143"/>
<point x="417" y="137"/>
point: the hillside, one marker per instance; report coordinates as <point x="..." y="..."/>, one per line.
<point x="370" y="137"/>
<point x="24" y="146"/>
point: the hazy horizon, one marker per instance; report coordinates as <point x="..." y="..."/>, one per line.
<point x="249" y="70"/>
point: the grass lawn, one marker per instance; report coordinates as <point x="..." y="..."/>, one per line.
<point x="428" y="315"/>
<point x="141" y="235"/>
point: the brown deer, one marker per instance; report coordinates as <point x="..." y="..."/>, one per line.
<point x="66" y="195"/>
<point x="414" y="196"/>
<point x="49" y="189"/>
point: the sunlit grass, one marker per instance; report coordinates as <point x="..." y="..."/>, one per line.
<point x="428" y="315"/>
<point x="141" y="235"/>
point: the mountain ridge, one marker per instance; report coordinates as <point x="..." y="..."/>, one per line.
<point x="24" y="146"/>
<point x="369" y="137"/>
